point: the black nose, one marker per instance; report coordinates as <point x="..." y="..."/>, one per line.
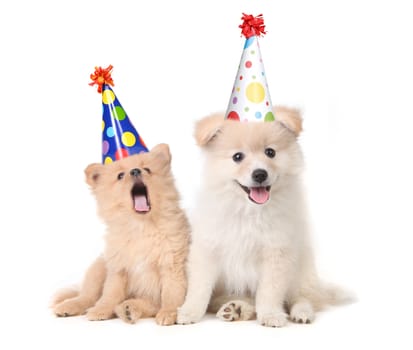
<point x="135" y="172"/>
<point x="259" y="175"/>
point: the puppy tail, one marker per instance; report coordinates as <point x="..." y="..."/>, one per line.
<point x="329" y="295"/>
<point x="337" y="295"/>
<point x="63" y="294"/>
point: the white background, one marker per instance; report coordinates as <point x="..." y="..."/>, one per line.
<point x="347" y="64"/>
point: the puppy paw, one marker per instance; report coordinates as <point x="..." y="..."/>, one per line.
<point x="236" y="310"/>
<point x="187" y="315"/>
<point x="166" y="317"/>
<point x="128" y="312"/>
<point x="70" y="307"/>
<point x="302" y="313"/>
<point x="99" y="313"/>
<point x="273" y="319"/>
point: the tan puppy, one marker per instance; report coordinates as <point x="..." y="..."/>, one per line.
<point x="251" y="255"/>
<point x="142" y="270"/>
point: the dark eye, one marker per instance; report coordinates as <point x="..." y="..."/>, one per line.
<point x="269" y="152"/>
<point x="147" y="170"/>
<point x="120" y="176"/>
<point x="238" y="157"/>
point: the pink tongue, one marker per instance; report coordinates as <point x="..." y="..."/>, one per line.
<point x="140" y="203"/>
<point x="259" y="194"/>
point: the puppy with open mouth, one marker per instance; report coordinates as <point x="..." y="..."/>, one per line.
<point x="142" y="270"/>
<point x="141" y="273"/>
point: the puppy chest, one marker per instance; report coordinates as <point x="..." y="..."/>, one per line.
<point x="139" y="258"/>
<point x="144" y="280"/>
<point x="239" y="270"/>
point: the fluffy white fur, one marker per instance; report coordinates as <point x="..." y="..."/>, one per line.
<point x="246" y="259"/>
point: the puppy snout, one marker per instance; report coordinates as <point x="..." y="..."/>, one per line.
<point x="259" y="175"/>
<point x="135" y="172"/>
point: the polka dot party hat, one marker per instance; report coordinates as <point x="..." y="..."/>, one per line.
<point x="119" y="139"/>
<point x="250" y="99"/>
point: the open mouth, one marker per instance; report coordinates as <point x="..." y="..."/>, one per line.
<point x="258" y="195"/>
<point x="140" y="197"/>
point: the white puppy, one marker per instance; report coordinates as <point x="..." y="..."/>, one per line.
<point x="250" y="234"/>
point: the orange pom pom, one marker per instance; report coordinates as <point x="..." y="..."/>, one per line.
<point x="102" y="76"/>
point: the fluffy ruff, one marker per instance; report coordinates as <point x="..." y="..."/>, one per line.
<point x="250" y="255"/>
<point x="142" y="270"/>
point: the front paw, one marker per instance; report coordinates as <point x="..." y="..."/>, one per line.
<point x="100" y="313"/>
<point x="302" y="312"/>
<point x="273" y="319"/>
<point x="188" y="315"/>
<point x="166" y="317"/>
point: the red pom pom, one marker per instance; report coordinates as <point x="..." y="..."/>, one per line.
<point x="102" y="76"/>
<point x="252" y="25"/>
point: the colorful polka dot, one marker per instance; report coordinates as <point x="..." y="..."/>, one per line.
<point x="110" y="132"/>
<point x="252" y="52"/>
<point x="233" y="116"/>
<point x="128" y="139"/>
<point x="237" y="89"/>
<point x="258" y="115"/>
<point x="241" y="77"/>
<point x="105" y="147"/>
<point x="248" y="64"/>
<point x="255" y="92"/>
<point x="121" y="153"/>
<point x="269" y="117"/>
<point x="119" y="113"/>
<point x="120" y="139"/>
<point x="234" y="100"/>
<point x="246" y="109"/>
<point x="267" y="103"/>
<point x="108" y="96"/>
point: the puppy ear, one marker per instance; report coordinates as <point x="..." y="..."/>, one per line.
<point x="290" y="118"/>
<point x="162" y="154"/>
<point x="93" y="172"/>
<point x="208" y="128"/>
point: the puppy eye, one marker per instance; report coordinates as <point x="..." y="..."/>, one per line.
<point x="238" y="157"/>
<point x="269" y="152"/>
<point x="120" y="176"/>
<point x="147" y="170"/>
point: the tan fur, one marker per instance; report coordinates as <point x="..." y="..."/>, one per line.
<point x="63" y="294"/>
<point x="142" y="270"/>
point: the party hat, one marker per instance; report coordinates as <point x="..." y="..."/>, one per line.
<point x="250" y="99"/>
<point x="119" y="137"/>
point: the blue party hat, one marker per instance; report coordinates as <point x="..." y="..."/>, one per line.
<point x="119" y="137"/>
